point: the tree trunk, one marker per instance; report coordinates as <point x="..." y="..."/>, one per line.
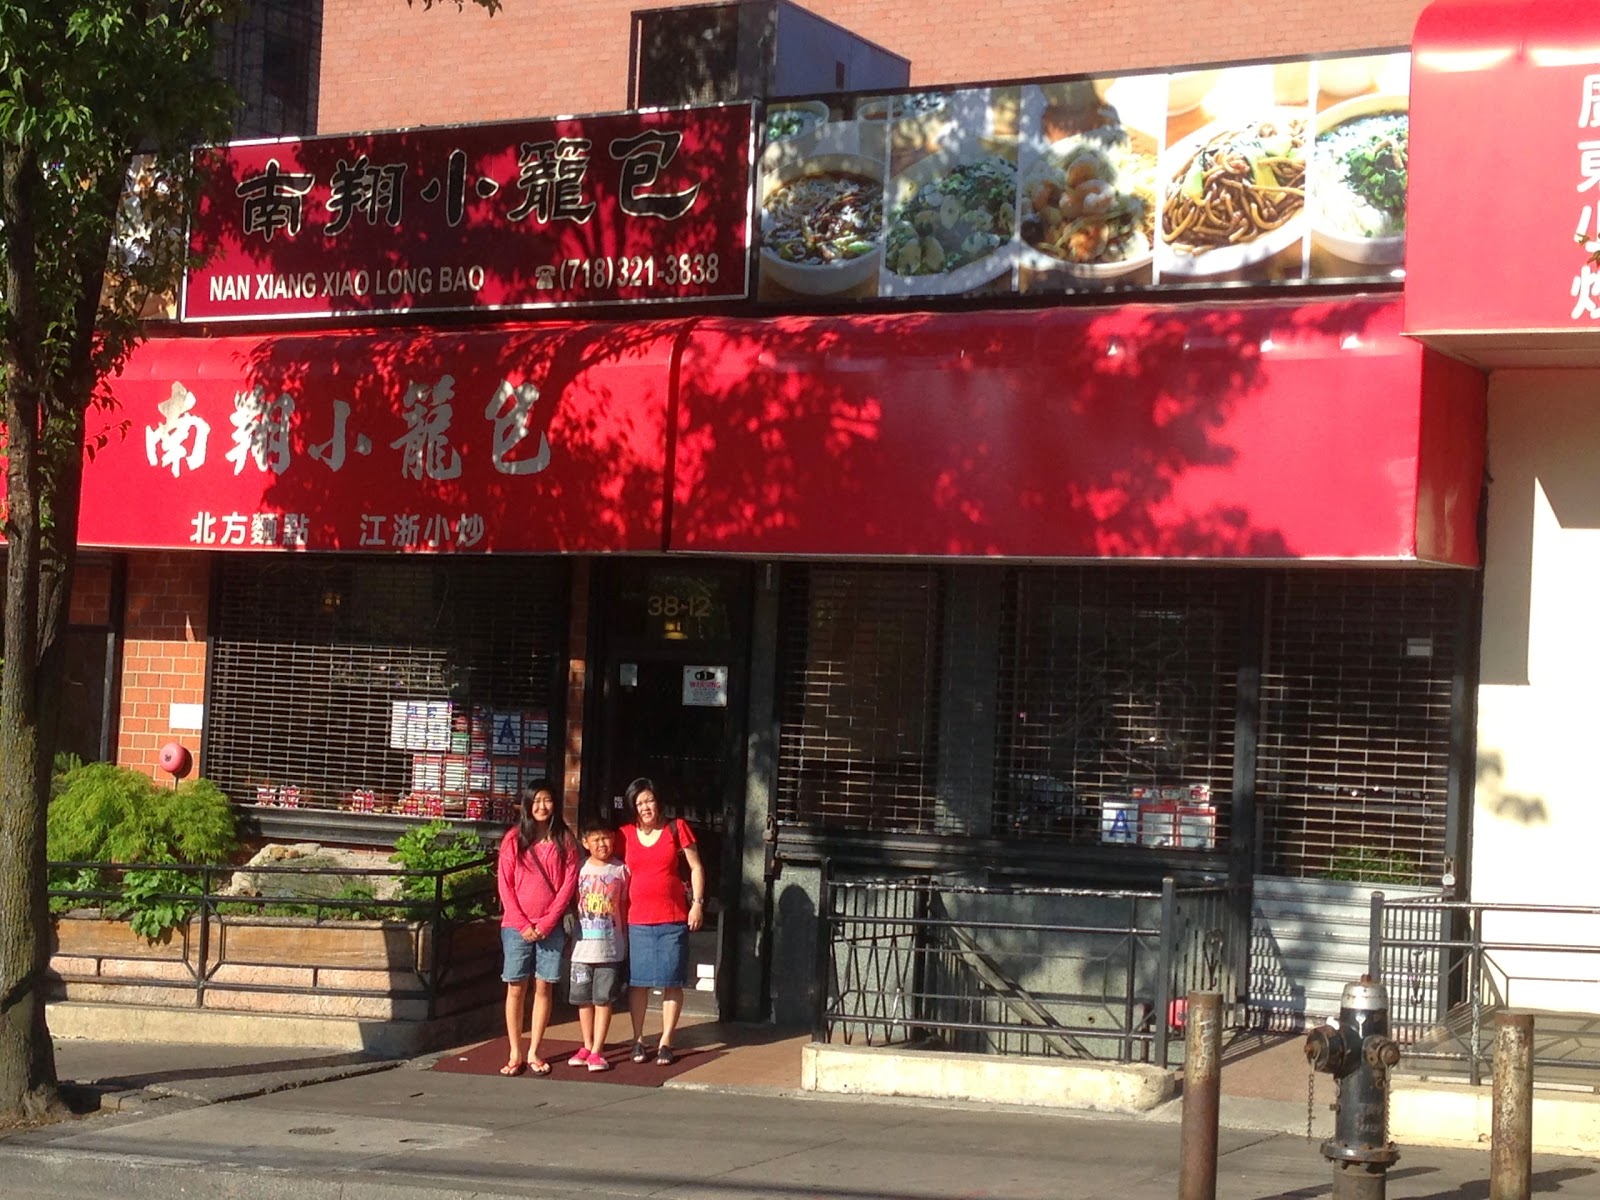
<point x="27" y="1059"/>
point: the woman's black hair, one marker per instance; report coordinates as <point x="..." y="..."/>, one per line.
<point x="528" y="828"/>
<point x="640" y="784"/>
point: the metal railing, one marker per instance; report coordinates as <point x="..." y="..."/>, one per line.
<point x="1012" y="969"/>
<point x="1450" y="965"/>
<point x="426" y="912"/>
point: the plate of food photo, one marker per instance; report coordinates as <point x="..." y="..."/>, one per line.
<point x="1233" y="194"/>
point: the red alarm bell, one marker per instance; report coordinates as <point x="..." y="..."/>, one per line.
<point x="175" y="760"/>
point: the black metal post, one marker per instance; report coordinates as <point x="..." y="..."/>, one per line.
<point x="203" y="950"/>
<point x="824" y="953"/>
<point x="1163" y="1013"/>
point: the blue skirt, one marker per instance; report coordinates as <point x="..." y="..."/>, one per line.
<point x="658" y="955"/>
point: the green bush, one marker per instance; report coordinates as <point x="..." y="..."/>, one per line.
<point x="106" y="813"/>
<point x="1361" y="864"/>
<point x="101" y="813"/>
<point x="439" y="846"/>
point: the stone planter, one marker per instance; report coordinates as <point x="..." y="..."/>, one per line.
<point x="387" y="971"/>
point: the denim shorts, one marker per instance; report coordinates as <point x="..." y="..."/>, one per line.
<point x="658" y="955"/>
<point x="604" y="984"/>
<point x="523" y="958"/>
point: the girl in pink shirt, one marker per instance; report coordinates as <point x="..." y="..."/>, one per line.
<point x="538" y="874"/>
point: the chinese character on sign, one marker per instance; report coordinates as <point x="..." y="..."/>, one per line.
<point x="1588" y="165"/>
<point x="469" y="530"/>
<point x="203" y="529"/>
<point x="234" y="526"/>
<point x="550" y="176"/>
<point x="643" y="158"/>
<point x="511" y="427"/>
<point x="331" y="451"/>
<point x="296" y="529"/>
<point x="438" y="531"/>
<point x="375" y="192"/>
<point x="1586" y="293"/>
<point x="454" y="188"/>
<point x="180" y="439"/>
<point x="425" y="446"/>
<point x="261" y="430"/>
<point x="407" y="530"/>
<point x="372" y="530"/>
<point x="264" y="529"/>
<point x="1589" y="113"/>
<point x="273" y="200"/>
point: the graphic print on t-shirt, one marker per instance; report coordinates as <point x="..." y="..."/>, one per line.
<point x="602" y="898"/>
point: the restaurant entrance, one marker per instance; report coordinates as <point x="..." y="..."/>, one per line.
<point x="671" y="642"/>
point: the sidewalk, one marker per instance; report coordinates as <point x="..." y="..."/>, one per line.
<point x="405" y="1132"/>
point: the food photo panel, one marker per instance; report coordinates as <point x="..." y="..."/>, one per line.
<point x="820" y="205"/>
<point x="951" y="197"/>
<point x="1232" y="178"/>
<point x="1088" y="161"/>
<point x="1358" y="173"/>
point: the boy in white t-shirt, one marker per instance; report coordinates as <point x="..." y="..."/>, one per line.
<point x="600" y="952"/>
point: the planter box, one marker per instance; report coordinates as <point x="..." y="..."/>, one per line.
<point x="358" y="970"/>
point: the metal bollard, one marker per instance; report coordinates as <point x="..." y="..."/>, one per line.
<point x="1202" y="1096"/>
<point x="1358" y="1052"/>
<point x="1511" y="1139"/>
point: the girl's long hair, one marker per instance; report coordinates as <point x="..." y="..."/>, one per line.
<point x="528" y="831"/>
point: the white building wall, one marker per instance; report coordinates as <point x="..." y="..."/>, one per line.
<point x="1536" y="816"/>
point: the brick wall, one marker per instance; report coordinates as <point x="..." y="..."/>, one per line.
<point x="91" y="594"/>
<point x="386" y="64"/>
<point x="163" y="653"/>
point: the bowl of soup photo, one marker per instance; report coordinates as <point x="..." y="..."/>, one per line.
<point x="1358" y="178"/>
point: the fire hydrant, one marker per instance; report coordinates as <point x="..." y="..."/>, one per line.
<point x="1359" y="1054"/>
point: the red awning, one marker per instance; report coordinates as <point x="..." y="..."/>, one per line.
<point x="1241" y="431"/>
<point x="1247" y="431"/>
<point x="1505" y="181"/>
<point x="539" y="438"/>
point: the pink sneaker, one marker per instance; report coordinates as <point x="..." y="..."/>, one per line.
<point x="580" y="1059"/>
<point x="598" y="1063"/>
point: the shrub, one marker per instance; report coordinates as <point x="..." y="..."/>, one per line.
<point x="440" y="846"/>
<point x="102" y="813"/>
<point x="1361" y="864"/>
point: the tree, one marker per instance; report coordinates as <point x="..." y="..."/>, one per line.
<point x="100" y="103"/>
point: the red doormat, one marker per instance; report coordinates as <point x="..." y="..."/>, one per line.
<point x="488" y="1058"/>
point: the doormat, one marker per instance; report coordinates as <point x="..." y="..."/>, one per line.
<point x="488" y="1058"/>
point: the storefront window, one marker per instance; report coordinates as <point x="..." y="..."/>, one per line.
<point x="423" y="688"/>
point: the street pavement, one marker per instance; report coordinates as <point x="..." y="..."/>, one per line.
<point x="326" y="1127"/>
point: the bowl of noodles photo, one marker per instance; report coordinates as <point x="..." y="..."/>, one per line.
<point x="822" y="223"/>
<point x="1088" y="205"/>
<point x="1359" y="175"/>
<point x="1233" y="194"/>
<point x="951" y="226"/>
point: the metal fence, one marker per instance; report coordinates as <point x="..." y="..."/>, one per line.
<point x="433" y="967"/>
<point x="1010" y="969"/>
<point x="1450" y="965"/>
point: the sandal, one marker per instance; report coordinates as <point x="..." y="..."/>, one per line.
<point x="640" y="1054"/>
<point x="511" y="1070"/>
<point x="665" y="1057"/>
<point x="539" y="1067"/>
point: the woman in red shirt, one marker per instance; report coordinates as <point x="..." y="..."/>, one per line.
<point x="660" y="915"/>
<point x="538" y="875"/>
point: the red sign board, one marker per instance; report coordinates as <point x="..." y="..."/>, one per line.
<point x="1492" y="268"/>
<point x="646" y="206"/>
<point x="542" y="438"/>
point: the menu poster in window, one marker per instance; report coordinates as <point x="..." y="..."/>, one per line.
<point x="419" y="725"/>
<point x="1248" y="173"/>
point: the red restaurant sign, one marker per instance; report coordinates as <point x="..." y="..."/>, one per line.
<point x="644" y="206"/>
<point x="540" y="438"/>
